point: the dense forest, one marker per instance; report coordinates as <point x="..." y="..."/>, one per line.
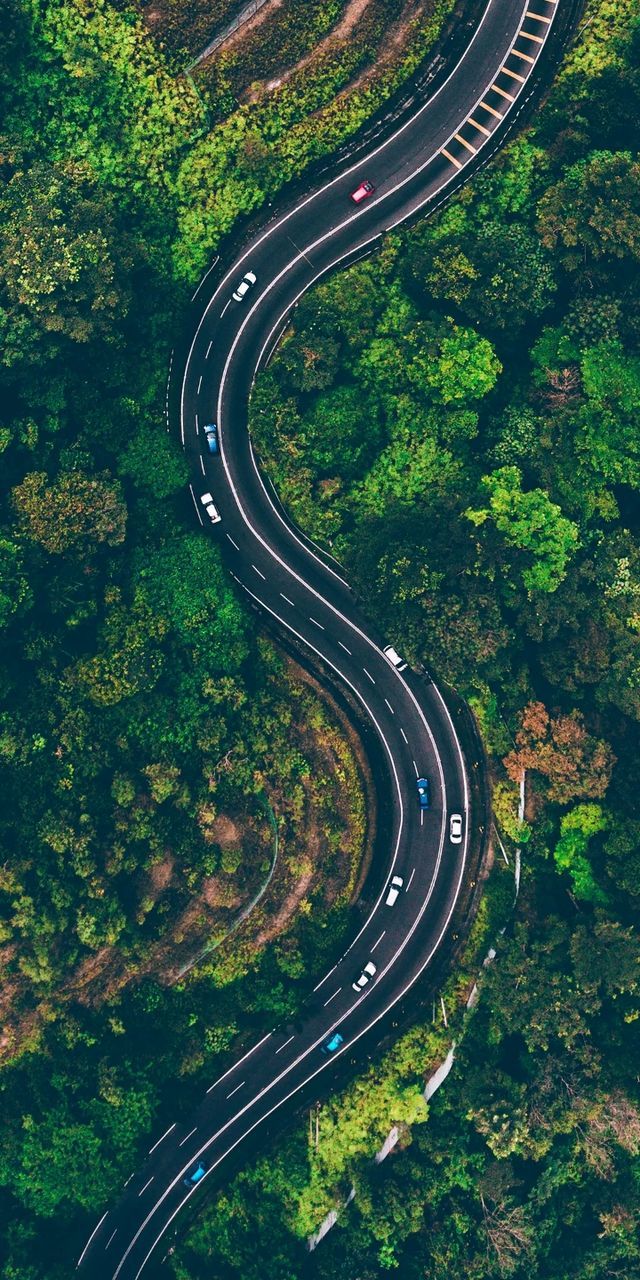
<point x="459" y="419"/>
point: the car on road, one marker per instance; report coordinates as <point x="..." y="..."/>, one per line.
<point x="210" y="508"/>
<point x="192" y="1179"/>
<point x="394" y="657"/>
<point x="362" y="192"/>
<point x="211" y="437"/>
<point x="394" y="890"/>
<point x="367" y="973"/>
<point x="455" y="828"/>
<point x="248" y="280"/>
<point x="423" y="792"/>
<point x="332" y="1045"/>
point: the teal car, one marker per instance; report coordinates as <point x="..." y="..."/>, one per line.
<point x="330" y="1046"/>
<point x="192" y="1179"/>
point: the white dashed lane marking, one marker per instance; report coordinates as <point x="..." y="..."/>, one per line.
<point x="379" y="940"/>
<point x="343" y="646"/>
<point x="208" y="350"/>
<point x="405" y="736"/>
<point x="316" y="623"/>
<point x="410" y="879"/>
<point x="323" y="980"/>
<point x="202" y="465"/>
<point x="189" y="1135"/>
<point x="283" y="1046"/>
<point x="259" y="572"/>
<point x="238" y="1086"/>
<point x="390" y="707"/>
<point x="233" y="544"/>
<point x="332" y="997"/>
<point x="287" y="600"/>
<point x="416" y="768"/>
<point x="368" y="673"/>
<point x="147" y="1184"/>
<point x="199" y="385"/>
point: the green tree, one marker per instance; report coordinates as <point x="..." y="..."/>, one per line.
<point x="72" y="513"/>
<point x="529" y="522"/>
<point x="594" y="211"/>
<point x="577" y="828"/>
<point x="15" y="593"/>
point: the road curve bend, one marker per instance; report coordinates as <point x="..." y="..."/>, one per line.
<point x="302" y="590"/>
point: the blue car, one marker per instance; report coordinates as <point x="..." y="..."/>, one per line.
<point x="192" y="1179"/>
<point x="423" y="792"/>
<point x="330" y="1046"/>
<point x="211" y="436"/>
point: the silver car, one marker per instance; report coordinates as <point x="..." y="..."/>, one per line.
<point x="455" y="828"/>
<point x="367" y="973"/>
<point x="248" y="279"/>
<point x="210" y="508"/>
<point x="394" y="890"/>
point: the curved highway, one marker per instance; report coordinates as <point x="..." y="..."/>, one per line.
<point x="302" y="591"/>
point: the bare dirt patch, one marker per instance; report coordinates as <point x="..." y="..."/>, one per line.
<point x="324" y="837"/>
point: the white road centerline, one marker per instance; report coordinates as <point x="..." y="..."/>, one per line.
<point x="196" y="505"/>
<point x="93" y="1233"/>
<point x="208" y="350"/>
<point x="409" y="880"/>
<point x="165" y="1135"/>
<point x="379" y="940"/>
<point x="244" y="1057"/>
<point x="259" y="572"/>
<point x="189" y="1135"/>
<point x="283" y="1046"/>
<point x="316" y="623"/>
<point x="284" y="597"/>
<point x="368" y="673"/>
<point x="147" y="1184"/>
<point x="227" y="304"/>
<point x="343" y="646"/>
<point x="110" y="1239"/>
<point x="197" y="425"/>
<point x="405" y="736"/>
<point x="336" y="993"/>
<point x="199" y="385"/>
<point x="238" y="1086"/>
<point x="202" y="465"/>
<point x="323" y="980"/>
<point x="233" y="544"/>
<point x="390" y="707"/>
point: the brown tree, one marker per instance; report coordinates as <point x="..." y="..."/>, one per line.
<point x="575" y="764"/>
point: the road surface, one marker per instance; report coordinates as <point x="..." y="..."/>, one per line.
<point x="303" y="591"/>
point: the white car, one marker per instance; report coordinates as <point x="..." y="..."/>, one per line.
<point x="394" y="657"/>
<point x="210" y="508"/>
<point x="248" y="279"/>
<point x="455" y="828"/>
<point x="394" y="890"/>
<point x="367" y="973"/>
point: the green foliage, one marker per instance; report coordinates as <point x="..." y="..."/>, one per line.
<point x="530" y="522"/>
<point x="577" y="828"/>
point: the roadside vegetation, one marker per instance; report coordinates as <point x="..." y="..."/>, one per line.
<point x="458" y="418"/>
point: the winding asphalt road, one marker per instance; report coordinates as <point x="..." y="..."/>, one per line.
<point x="302" y="591"/>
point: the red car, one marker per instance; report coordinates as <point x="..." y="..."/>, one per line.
<point x="365" y="189"/>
